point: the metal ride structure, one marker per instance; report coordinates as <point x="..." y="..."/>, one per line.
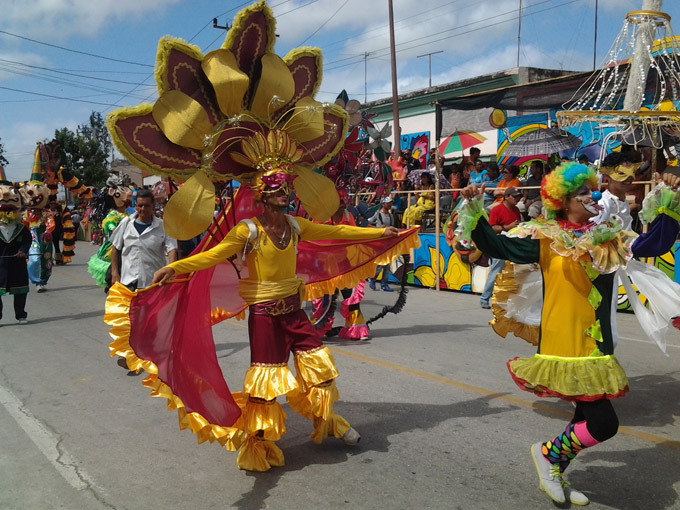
<point x="641" y="68"/>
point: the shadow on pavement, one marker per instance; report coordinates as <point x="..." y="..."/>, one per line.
<point x="376" y="421"/>
<point x="73" y="317"/>
<point x="631" y="480"/>
<point x="232" y="348"/>
<point x="419" y="329"/>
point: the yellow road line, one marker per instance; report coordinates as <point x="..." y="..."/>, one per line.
<point x="507" y="398"/>
<point x="653" y="438"/>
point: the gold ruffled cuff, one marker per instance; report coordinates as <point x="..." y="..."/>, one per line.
<point x="269" y="381"/>
<point x="584" y="379"/>
<point x="506" y="286"/>
<point x="258" y="455"/>
<point x="314" y="367"/>
<point x="268" y="417"/>
<point x="335" y="426"/>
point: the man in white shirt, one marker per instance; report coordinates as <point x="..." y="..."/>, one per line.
<point x="140" y="245"/>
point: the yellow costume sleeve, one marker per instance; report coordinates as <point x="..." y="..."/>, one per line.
<point x="232" y="244"/>
<point x="310" y="231"/>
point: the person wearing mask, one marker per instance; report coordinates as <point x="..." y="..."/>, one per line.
<point x="502" y="218"/>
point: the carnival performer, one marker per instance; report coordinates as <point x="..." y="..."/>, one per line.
<point x="110" y="208"/>
<point x="414" y="214"/>
<point x="242" y="112"/>
<point x="15" y="241"/>
<point x="578" y="260"/>
<point x="355" y="327"/>
<point x="39" y="219"/>
<point x="277" y="325"/>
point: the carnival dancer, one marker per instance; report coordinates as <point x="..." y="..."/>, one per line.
<point x="15" y="241"/>
<point x="277" y="326"/>
<point x="355" y="327"/>
<point x="110" y="208"/>
<point x="578" y="260"/>
<point x="40" y="221"/>
<point x="241" y="112"/>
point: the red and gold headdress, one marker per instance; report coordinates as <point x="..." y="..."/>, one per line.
<point x="238" y="112"/>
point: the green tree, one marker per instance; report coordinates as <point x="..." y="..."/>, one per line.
<point x="3" y="159"/>
<point x="87" y="153"/>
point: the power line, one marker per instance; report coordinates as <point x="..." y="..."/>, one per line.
<point x="66" y="73"/>
<point x="323" y="24"/>
<point x="361" y="56"/>
<point x="55" y="97"/>
<point x="74" y="51"/>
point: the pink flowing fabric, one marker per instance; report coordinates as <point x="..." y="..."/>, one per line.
<point x="171" y="325"/>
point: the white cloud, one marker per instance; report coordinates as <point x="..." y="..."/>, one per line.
<point x="60" y="19"/>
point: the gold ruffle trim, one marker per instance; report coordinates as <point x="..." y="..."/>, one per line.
<point x="314" y="367"/>
<point x="506" y="286"/>
<point x="267" y="417"/>
<point x="259" y="455"/>
<point x="352" y="278"/>
<point x="585" y="378"/>
<point x="220" y="314"/>
<point x="117" y="316"/>
<point x="269" y="381"/>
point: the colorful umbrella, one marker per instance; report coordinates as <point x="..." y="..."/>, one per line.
<point x="459" y="141"/>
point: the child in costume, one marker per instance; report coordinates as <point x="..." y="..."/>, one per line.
<point x="39" y="219"/>
<point x="578" y="260"/>
<point x="109" y="209"/>
<point x="15" y="241"/>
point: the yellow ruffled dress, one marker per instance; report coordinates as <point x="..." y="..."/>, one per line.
<point x="575" y="358"/>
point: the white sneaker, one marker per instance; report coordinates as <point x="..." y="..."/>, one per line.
<point x="573" y="496"/>
<point x="549" y="474"/>
<point x="351" y="437"/>
<point x="41" y="288"/>
<point x="23" y="321"/>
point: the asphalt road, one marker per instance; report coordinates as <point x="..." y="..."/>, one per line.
<point x="443" y="426"/>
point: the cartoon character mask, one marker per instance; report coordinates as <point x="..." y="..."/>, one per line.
<point x="121" y="196"/>
<point x="35" y="195"/>
<point x="10" y="200"/>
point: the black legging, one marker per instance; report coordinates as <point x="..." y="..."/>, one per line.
<point x="600" y="418"/>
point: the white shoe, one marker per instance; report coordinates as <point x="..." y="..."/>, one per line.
<point x="41" y="288"/>
<point x="549" y="474"/>
<point x="351" y="437"/>
<point x="573" y="496"/>
<point x="23" y="321"/>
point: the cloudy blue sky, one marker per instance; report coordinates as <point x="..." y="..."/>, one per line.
<point x="100" y="53"/>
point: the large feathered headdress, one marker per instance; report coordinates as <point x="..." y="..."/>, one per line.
<point x="236" y="113"/>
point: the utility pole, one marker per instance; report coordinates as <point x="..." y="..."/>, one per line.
<point x="429" y="63"/>
<point x="595" y="39"/>
<point x="519" y="30"/>
<point x="365" y="77"/>
<point x="395" y="93"/>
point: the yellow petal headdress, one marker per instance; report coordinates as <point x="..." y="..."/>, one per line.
<point x="233" y="114"/>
